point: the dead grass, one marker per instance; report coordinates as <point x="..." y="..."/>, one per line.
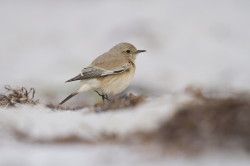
<point x="64" y="108"/>
<point x="14" y="96"/>
<point x="17" y="96"/>
<point x="208" y="121"/>
<point x="126" y="101"/>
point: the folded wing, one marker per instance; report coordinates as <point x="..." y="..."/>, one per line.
<point x="93" y="72"/>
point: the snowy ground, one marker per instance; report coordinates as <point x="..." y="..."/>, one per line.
<point x="111" y="155"/>
<point x="46" y="125"/>
<point x="44" y="43"/>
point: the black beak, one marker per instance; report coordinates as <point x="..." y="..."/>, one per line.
<point x="139" y="51"/>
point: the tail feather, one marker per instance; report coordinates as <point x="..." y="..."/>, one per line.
<point x="78" y="77"/>
<point x="67" y="98"/>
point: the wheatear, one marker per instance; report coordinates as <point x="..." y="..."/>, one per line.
<point x="110" y="73"/>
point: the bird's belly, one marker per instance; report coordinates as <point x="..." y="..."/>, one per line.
<point x="115" y="84"/>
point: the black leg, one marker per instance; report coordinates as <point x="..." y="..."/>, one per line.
<point x="104" y="96"/>
<point x="98" y="93"/>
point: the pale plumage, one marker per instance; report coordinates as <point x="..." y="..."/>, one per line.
<point x="110" y="73"/>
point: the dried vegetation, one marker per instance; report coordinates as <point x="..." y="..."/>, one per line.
<point x="126" y="101"/>
<point x="208" y="120"/>
<point x="17" y="96"/>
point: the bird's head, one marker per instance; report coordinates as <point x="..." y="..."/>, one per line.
<point x="127" y="50"/>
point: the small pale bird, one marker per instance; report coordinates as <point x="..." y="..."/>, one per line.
<point x="110" y="73"/>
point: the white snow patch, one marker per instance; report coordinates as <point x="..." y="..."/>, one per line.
<point x="40" y="123"/>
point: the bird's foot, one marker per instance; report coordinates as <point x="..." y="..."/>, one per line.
<point x="104" y="96"/>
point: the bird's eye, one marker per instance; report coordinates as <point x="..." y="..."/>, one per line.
<point x="128" y="51"/>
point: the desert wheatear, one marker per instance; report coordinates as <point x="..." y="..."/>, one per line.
<point x="110" y="73"/>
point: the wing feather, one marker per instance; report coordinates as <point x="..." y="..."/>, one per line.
<point x="94" y="72"/>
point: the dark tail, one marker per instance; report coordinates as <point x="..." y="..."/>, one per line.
<point x="67" y="98"/>
<point x="78" y="77"/>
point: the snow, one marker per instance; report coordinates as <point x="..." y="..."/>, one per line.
<point x="111" y="155"/>
<point x="42" y="124"/>
<point x="44" y="43"/>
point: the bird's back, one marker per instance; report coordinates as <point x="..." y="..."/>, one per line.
<point x="109" y="61"/>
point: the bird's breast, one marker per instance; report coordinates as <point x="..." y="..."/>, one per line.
<point x="115" y="84"/>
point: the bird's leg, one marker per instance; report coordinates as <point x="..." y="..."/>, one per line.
<point x="104" y="96"/>
<point x="98" y="93"/>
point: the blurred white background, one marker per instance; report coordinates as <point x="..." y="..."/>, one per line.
<point x="207" y="43"/>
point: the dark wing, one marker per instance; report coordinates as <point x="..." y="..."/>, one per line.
<point x="93" y="72"/>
